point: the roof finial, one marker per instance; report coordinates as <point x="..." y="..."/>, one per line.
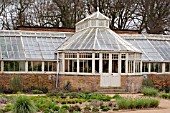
<point x="97" y="9"/>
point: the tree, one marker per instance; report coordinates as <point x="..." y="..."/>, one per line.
<point x="155" y="15"/>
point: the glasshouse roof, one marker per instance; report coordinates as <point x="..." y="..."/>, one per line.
<point x="93" y="16"/>
<point x="97" y="39"/>
<point x="29" y="45"/>
<point x="154" y="47"/>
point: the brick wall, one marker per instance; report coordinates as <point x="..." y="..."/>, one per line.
<point x="160" y="80"/>
<point x="131" y="83"/>
<point x="30" y="80"/>
<point x="85" y="82"/>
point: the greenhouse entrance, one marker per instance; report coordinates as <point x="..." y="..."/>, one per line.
<point x="110" y="80"/>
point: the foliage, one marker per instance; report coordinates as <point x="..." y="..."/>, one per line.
<point x="105" y="108"/>
<point x="96" y="103"/>
<point x="23" y="104"/>
<point x="16" y="83"/>
<point x="67" y="86"/>
<point x="131" y="103"/>
<point x="147" y="83"/>
<point x="147" y="91"/>
<point x="87" y="108"/>
<point x="7" y="108"/>
<point x="93" y="96"/>
<point x="37" y="92"/>
<point x="95" y="109"/>
<point x="61" y="110"/>
<point x="165" y="95"/>
<point x="3" y="100"/>
<point x="56" y="108"/>
<point x="117" y="96"/>
<point x="65" y="107"/>
<point x="74" y="108"/>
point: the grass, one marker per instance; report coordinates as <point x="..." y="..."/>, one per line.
<point x="23" y="104"/>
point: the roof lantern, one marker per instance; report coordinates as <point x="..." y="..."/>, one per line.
<point x="96" y="19"/>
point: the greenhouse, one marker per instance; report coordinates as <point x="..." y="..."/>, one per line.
<point x="94" y="50"/>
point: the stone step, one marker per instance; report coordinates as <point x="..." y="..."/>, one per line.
<point x="110" y="90"/>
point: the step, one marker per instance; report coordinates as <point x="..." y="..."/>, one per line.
<point x="110" y="90"/>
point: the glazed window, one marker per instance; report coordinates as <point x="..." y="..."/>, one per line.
<point x="70" y="65"/>
<point x="156" y="67"/>
<point x="85" y="55"/>
<point x="70" y="55"/>
<point x="14" y="66"/>
<point x="85" y="66"/>
<point x="50" y="66"/>
<point x="130" y="66"/>
<point x="105" y="63"/>
<point x="167" y="67"/>
<point x="145" y="67"/>
<point x="137" y="66"/>
<point x="114" y="63"/>
<point x="34" y="66"/>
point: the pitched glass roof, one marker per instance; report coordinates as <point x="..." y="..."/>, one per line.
<point x="29" y="45"/>
<point x="154" y="47"/>
<point x="97" y="39"/>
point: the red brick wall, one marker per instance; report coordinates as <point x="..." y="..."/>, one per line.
<point x="131" y="83"/>
<point x="160" y="80"/>
<point x="85" y="82"/>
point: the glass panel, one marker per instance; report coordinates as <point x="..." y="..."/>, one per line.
<point x="50" y="66"/>
<point x="96" y="66"/>
<point x="114" y="66"/>
<point x="137" y="66"/>
<point x="85" y="66"/>
<point x="145" y="67"/>
<point x="70" y="65"/>
<point x="123" y="66"/>
<point x="105" y="66"/>
<point x="130" y="66"/>
<point x="14" y="66"/>
<point x="34" y="66"/>
<point x="156" y="67"/>
<point x="167" y="67"/>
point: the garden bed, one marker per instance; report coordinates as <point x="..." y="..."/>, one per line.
<point x="81" y="102"/>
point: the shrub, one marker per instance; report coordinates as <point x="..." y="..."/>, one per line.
<point x="23" y="104"/>
<point x="74" y="108"/>
<point x="3" y="100"/>
<point x="65" y="107"/>
<point x="37" y="92"/>
<point x="105" y="108"/>
<point x="87" y="108"/>
<point x="95" y="109"/>
<point x="149" y="91"/>
<point x="61" y="110"/>
<point x="7" y="108"/>
<point x="96" y="103"/>
<point x="44" y="89"/>
<point x="1" y="111"/>
<point x="67" y="86"/>
<point x="129" y="103"/>
<point x="56" y="108"/>
<point x="165" y="95"/>
<point x="117" y="96"/>
<point x="147" y="83"/>
<point x="16" y="83"/>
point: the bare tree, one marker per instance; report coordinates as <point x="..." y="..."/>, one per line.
<point x="155" y="15"/>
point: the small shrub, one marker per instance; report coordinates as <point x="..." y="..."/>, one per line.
<point x="105" y="108"/>
<point x="74" y="108"/>
<point x="7" y="108"/>
<point x="16" y="83"/>
<point x="3" y="100"/>
<point x="95" y="109"/>
<point x="149" y="91"/>
<point x="96" y="103"/>
<point x="72" y="95"/>
<point x="87" y="108"/>
<point x="23" y="104"/>
<point x="44" y="89"/>
<point x="56" y="108"/>
<point x="115" y="109"/>
<point x="61" y="110"/>
<point x="37" y="92"/>
<point x="165" y="95"/>
<point x="147" y="83"/>
<point x="1" y="111"/>
<point x="67" y="86"/>
<point x="65" y="107"/>
<point x="8" y="91"/>
<point x="117" y="96"/>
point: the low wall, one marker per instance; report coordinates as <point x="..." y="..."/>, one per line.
<point x="131" y="83"/>
<point x="81" y="82"/>
<point x="160" y="80"/>
<point x="40" y="81"/>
